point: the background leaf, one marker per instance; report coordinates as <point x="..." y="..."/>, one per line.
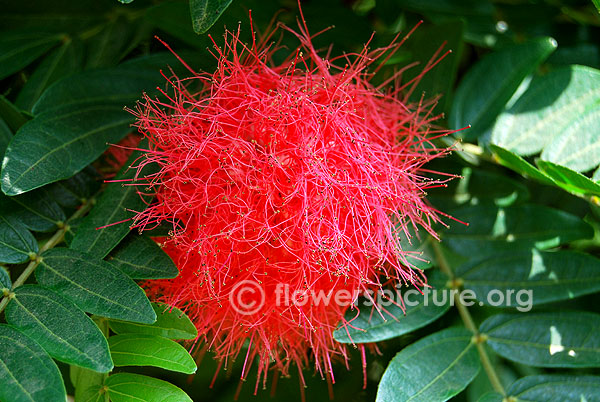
<point x="556" y="388"/>
<point x="17" y="244"/>
<point x="36" y="210"/>
<point x="19" y="48"/>
<point x="64" y="60"/>
<point x="558" y="113"/>
<point x="434" y="368"/>
<point x="519" y="165"/>
<point x="94" y="286"/>
<point x="170" y="323"/>
<point x="56" y="145"/>
<point x="27" y="373"/>
<point x="569" y="180"/>
<point x="395" y="322"/>
<point x="492" y="229"/>
<point x="490" y="83"/>
<point x="5" y="281"/>
<point x="548" y="276"/>
<point x="109" y="222"/>
<point x="63" y="330"/>
<point x="125" y="387"/>
<point x="557" y="339"/>
<point x="150" y="350"/>
<point x="141" y="258"/>
<point x="206" y="12"/>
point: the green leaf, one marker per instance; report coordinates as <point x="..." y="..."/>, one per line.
<point x="108" y="222"/>
<point x="126" y="387"/>
<point x="206" y="12"/>
<point x="489" y="84"/>
<point x="170" y="323"/>
<point x="531" y="277"/>
<point x="141" y="258"/>
<point x="477" y="186"/>
<point x="557" y="113"/>
<point x="61" y="328"/>
<point x="422" y="45"/>
<point x="597" y="4"/>
<point x="519" y="165"/>
<point x="168" y="16"/>
<point x="87" y="383"/>
<point x="556" y="339"/>
<point x="5" y="137"/>
<point x="150" y="350"/>
<point x="569" y="180"/>
<point x="5" y="281"/>
<point x="35" y="210"/>
<point x="93" y="393"/>
<point x="94" y="285"/>
<point x="27" y="373"/>
<point x="19" y="48"/>
<point x="492" y="229"/>
<point x="420" y="249"/>
<point x="370" y="326"/>
<point x="118" y="86"/>
<point x="56" y="145"/>
<point x="76" y="190"/>
<point x="17" y="244"/>
<point x="491" y="397"/>
<point x="434" y="368"/>
<point x="116" y="39"/>
<point x="12" y="115"/>
<point x="63" y="61"/>
<point x="555" y="388"/>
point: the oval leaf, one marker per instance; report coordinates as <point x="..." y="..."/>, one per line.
<point x="119" y="86"/>
<point x="433" y="369"/>
<point x="557" y="339"/>
<point x="65" y="60"/>
<point x="557" y="113"/>
<point x="519" y="165"/>
<point x="489" y="85"/>
<point x="150" y="350"/>
<point x="206" y="12"/>
<point x="531" y="277"/>
<point x="27" y="373"/>
<point x="126" y="387"/>
<point x="556" y="388"/>
<point x="19" y="48"/>
<point x="17" y="244"/>
<point x="58" y="144"/>
<point x="36" y="210"/>
<point x="370" y="326"/>
<point x="107" y="223"/>
<point x="492" y="229"/>
<point x="61" y="328"/>
<point x="94" y="285"/>
<point x="569" y="180"/>
<point x="170" y="323"/>
<point x="141" y="258"/>
<point x="5" y="281"/>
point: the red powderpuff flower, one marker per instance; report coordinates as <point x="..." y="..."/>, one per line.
<point x="285" y="179"/>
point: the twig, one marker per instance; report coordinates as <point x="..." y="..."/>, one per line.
<point x="57" y="238"/>
<point x="465" y="315"/>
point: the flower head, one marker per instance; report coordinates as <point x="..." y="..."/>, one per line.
<point x="301" y="174"/>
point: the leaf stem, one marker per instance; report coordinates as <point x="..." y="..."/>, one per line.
<point x="57" y="238"/>
<point x="465" y="315"/>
